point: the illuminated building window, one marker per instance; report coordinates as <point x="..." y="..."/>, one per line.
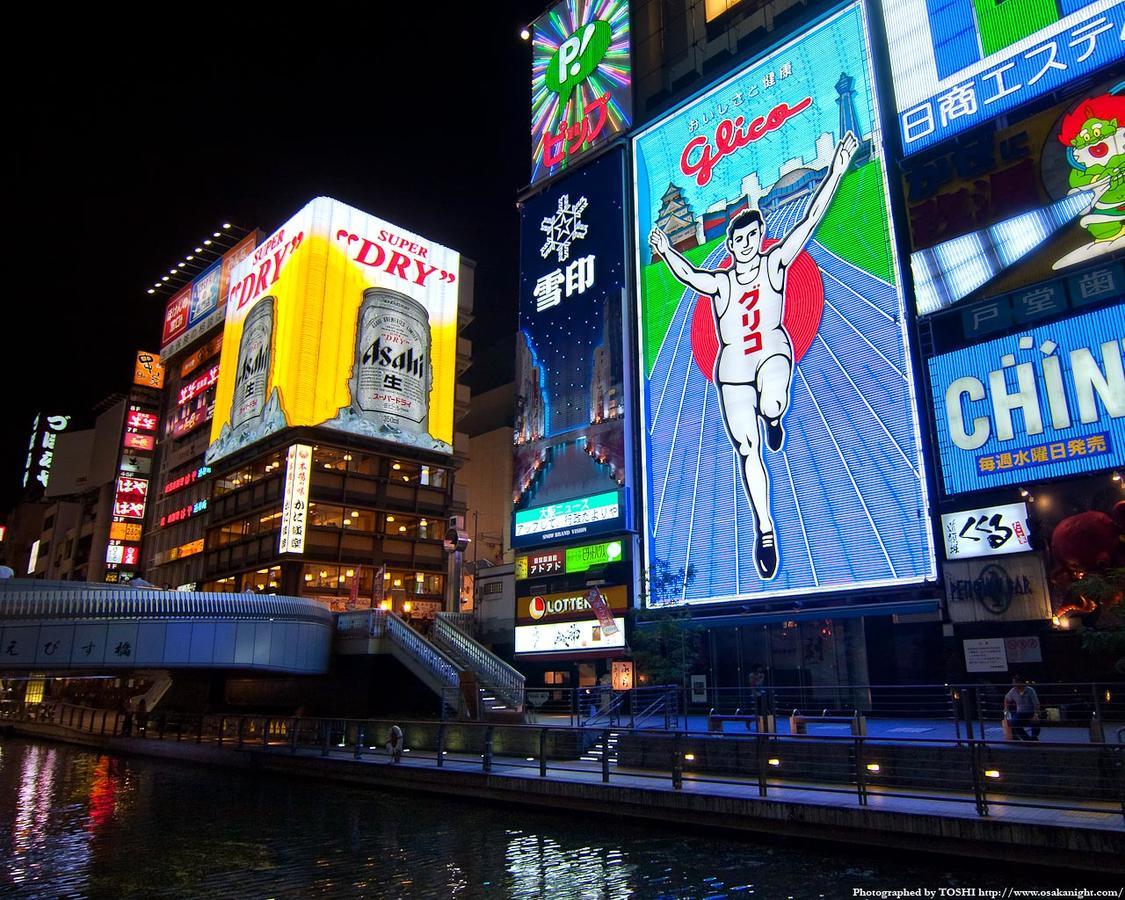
<point x="33" y="693"/>
<point x="556" y="678"/>
<point x="715" y="8"/>
<point x="263" y="581"/>
<point x="414" y="527"/>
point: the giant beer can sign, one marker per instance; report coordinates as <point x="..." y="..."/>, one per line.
<point x="343" y="321"/>
<point x="251" y="378"/>
<point x="392" y="375"/>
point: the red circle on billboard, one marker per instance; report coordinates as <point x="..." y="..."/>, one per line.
<point x="537" y="608"/>
<point x="804" y="306"/>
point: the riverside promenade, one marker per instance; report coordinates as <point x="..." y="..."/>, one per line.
<point x="1060" y="804"/>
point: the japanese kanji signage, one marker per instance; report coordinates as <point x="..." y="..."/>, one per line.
<point x="201" y="305"/>
<point x="993" y="531"/>
<point x="580" y="518"/>
<point x="1004" y="210"/>
<point x="569" y="561"/>
<point x="1042" y="403"/>
<point x="148" y="371"/>
<point x="772" y="348"/>
<point x="41" y="449"/>
<point x="295" y="505"/>
<point x="959" y="63"/>
<point x="570" y="350"/>
<point x="581" y="81"/>
<point x="129" y="501"/>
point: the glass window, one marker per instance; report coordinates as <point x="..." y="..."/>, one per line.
<point x="263" y="581"/>
<point x="359" y="519"/>
<point x="325" y="515"/>
<point x="226" y="585"/>
<point x="249" y="474"/>
<point x="330" y="458"/>
<point x="362" y="463"/>
<point x="262" y="523"/>
<point x="338" y="579"/>
<point x="413" y="527"/>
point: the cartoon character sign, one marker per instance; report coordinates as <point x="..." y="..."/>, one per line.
<point x="1094" y="135"/>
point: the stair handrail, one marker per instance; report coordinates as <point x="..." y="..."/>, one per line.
<point x="436" y="662"/>
<point x="608" y="710"/>
<point x="492" y="671"/>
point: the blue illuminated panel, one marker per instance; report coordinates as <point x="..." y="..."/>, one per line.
<point x="845" y="489"/>
<point x="1046" y="402"/>
<point x="945" y="82"/>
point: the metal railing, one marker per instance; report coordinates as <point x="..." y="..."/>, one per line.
<point x="1060" y="776"/>
<point x="426" y="654"/>
<point x="490" y="669"/>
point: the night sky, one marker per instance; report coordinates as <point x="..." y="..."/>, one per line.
<point x="125" y="151"/>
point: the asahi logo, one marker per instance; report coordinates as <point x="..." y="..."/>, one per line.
<point x="539" y="607"/>
<point x="383" y="355"/>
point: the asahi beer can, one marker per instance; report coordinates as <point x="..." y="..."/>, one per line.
<point x="251" y="380"/>
<point x="391" y="378"/>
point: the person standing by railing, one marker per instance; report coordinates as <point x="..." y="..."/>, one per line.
<point x="1021" y="705"/>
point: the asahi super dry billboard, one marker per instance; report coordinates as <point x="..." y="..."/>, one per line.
<point x="340" y="320"/>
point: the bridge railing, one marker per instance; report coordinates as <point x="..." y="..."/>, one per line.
<point x="973" y="772"/>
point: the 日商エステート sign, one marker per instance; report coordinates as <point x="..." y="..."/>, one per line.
<point x="1041" y="403"/>
<point x="960" y="63"/>
<point x="780" y="446"/>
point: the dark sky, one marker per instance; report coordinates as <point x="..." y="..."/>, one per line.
<point x="126" y="149"/>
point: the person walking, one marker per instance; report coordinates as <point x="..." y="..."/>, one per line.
<point x="1021" y="706"/>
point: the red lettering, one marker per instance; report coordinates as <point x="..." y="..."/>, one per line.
<point x="362" y="259"/>
<point x="730" y="136"/>
<point x="397" y="265"/>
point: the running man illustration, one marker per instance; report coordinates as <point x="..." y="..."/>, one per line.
<point x="754" y="366"/>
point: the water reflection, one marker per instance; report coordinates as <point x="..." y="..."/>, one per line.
<point x="75" y="823"/>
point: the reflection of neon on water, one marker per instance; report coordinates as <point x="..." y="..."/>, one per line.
<point x="953" y="269"/>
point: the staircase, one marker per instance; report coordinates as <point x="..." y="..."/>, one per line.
<point x="500" y="688"/>
<point x="472" y="681"/>
<point x="605" y="745"/>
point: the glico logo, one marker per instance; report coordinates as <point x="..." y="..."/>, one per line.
<point x="538" y="607"/>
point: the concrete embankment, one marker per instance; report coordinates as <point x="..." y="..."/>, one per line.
<point x="1091" y="842"/>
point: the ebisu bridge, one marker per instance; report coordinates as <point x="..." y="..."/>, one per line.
<point x="67" y="625"/>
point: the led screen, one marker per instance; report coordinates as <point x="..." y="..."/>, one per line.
<point x="570" y="374"/>
<point x="959" y="63"/>
<point x="581" y="81"/>
<point x="803" y="397"/>
<point x="1044" y="193"/>
<point x="1045" y="402"/>
<point x="344" y="321"/>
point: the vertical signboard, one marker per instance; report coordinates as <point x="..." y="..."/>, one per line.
<point x="781" y="449"/>
<point x="581" y="81"/>
<point x="959" y="63"/>
<point x="295" y="504"/>
<point x="1043" y="403"/>
<point x="342" y="320"/>
<point x="41" y="449"/>
<point x="569" y="467"/>
<point x="148" y="370"/>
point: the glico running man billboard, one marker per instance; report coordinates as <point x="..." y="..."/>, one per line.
<point x="1044" y="402"/>
<point x="344" y="321"/>
<point x="569" y="464"/>
<point x="959" y="63"/>
<point x="781" y="444"/>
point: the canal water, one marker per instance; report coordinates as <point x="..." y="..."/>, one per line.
<point x="75" y="823"/>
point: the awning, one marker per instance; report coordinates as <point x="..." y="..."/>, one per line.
<point x="887" y="608"/>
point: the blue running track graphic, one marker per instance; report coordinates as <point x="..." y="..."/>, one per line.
<point x="846" y="494"/>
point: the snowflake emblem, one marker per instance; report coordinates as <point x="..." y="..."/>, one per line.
<point x="563" y="227"/>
